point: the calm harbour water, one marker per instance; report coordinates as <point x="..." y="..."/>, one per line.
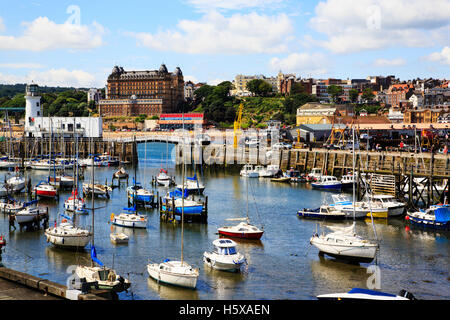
<point x="283" y="265"/>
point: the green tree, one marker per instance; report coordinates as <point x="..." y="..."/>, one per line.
<point x="353" y="95"/>
<point x="259" y="87"/>
<point x="335" y="91"/>
<point x="368" y="95"/>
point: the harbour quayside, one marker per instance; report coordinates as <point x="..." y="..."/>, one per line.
<point x="166" y="183"/>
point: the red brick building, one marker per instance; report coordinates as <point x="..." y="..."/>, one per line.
<point x="132" y="93"/>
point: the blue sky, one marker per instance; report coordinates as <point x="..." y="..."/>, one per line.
<point x="77" y="43"/>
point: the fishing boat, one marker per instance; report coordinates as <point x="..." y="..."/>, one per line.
<point x="243" y="230"/>
<point x="295" y="176"/>
<point x="163" y="179"/>
<point x="192" y="186"/>
<point x="130" y="219"/>
<point x="119" y="238"/>
<point x="29" y="214"/>
<point x="435" y="217"/>
<point x="324" y="212"/>
<point x="46" y="165"/>
<point x="104" y="277"/>
<point x="120" y="174"/>
<point x="348" y="180"/>
<point x="366" y="294"/>
<point x="178" y="273"/>
<point x="224" y="257"/>
<point x="314" y="175"/>
<point x="67" y="235"/>
<point x="360" y="209"/>
<point x="248" y="172"/>
<point x="395" y="208"/>
<point x="328" y="183"/>
<point x="343" y="243"/>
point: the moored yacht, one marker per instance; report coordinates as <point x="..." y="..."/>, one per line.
<point x="224" y="257"/>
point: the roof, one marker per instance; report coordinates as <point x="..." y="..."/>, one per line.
<point x="224" y="243"/>
<point x="320" y="127"/>
<point x="316" y="105"/>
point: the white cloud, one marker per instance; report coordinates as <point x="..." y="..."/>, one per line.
<point x="442" y="57"/>
<point x="21" y="65"/>
<point x="214" y="33"/>
<point x="215" y="82"/>
<point x="301" y="63"/>
<point x="190" y="78"/>
<point x="44" y="34"/>
<point x="231" y="4"/>
<point x="375" y="24"/>
<point x="389" y="63"/>
<point x="53" y="77"/>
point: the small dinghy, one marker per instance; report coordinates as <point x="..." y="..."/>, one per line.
<point x="119" y="238"/>
<point x="365" y="294"/>
<point x="282" y="179"/>
<point x="120" y="174"/>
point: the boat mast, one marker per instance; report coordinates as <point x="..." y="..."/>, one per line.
<point x="182" y="198"/>
<point x="93" y="208"/>
<point x="353" y="159"/>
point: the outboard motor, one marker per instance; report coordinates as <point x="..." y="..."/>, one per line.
<point x="407" y="295"/>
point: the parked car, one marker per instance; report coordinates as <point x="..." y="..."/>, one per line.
<point x="281" y="145"/>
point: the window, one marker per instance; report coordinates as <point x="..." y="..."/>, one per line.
<point x="78" y="125"/>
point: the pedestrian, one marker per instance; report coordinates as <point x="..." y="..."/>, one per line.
<point x="11" y="222"/>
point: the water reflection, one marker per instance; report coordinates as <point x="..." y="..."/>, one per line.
<point x="168" y="292"/>
<point x="334" y="276"/>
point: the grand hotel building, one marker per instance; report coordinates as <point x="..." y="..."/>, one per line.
<point x="132" y="93"/>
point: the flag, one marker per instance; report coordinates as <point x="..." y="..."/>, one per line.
<point x="94" y="256"/>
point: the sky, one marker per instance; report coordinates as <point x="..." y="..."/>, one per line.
<point x="77" y="43"/>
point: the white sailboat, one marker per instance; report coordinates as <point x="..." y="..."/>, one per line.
<point x="243" y="230"/>
<point x="344" y="243"/>
<point x="68" y="236"/>
<point x="178" y="273"/>
<point x="105" y="277"/>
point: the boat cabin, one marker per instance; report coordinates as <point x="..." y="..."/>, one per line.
<point x="225" y="247"/>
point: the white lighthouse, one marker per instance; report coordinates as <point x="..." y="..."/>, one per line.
<point x="38" y="126"/>
<point x="32" y="106"/>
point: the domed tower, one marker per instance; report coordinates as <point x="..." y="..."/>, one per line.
<point x="178" y="72"/>
<point x="32" y="105"/>
<point x="163" y="69"/>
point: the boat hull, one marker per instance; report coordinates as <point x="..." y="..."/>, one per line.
<point x="65" y="241"/>
<point x="327" y="186"/>
<point x="222" y="265"/>
<point x="242" y="235"/>
<point x="187" y="210"/>
<point x="179" y="280"/>
<point x="130" y="224"/>
<point x="317" y="215"/>
<point x="345" y="252"/>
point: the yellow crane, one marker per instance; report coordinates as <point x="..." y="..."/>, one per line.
<point x="238" y="125"/>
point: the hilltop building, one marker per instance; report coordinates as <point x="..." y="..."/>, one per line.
<point x="132" y="93"/>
